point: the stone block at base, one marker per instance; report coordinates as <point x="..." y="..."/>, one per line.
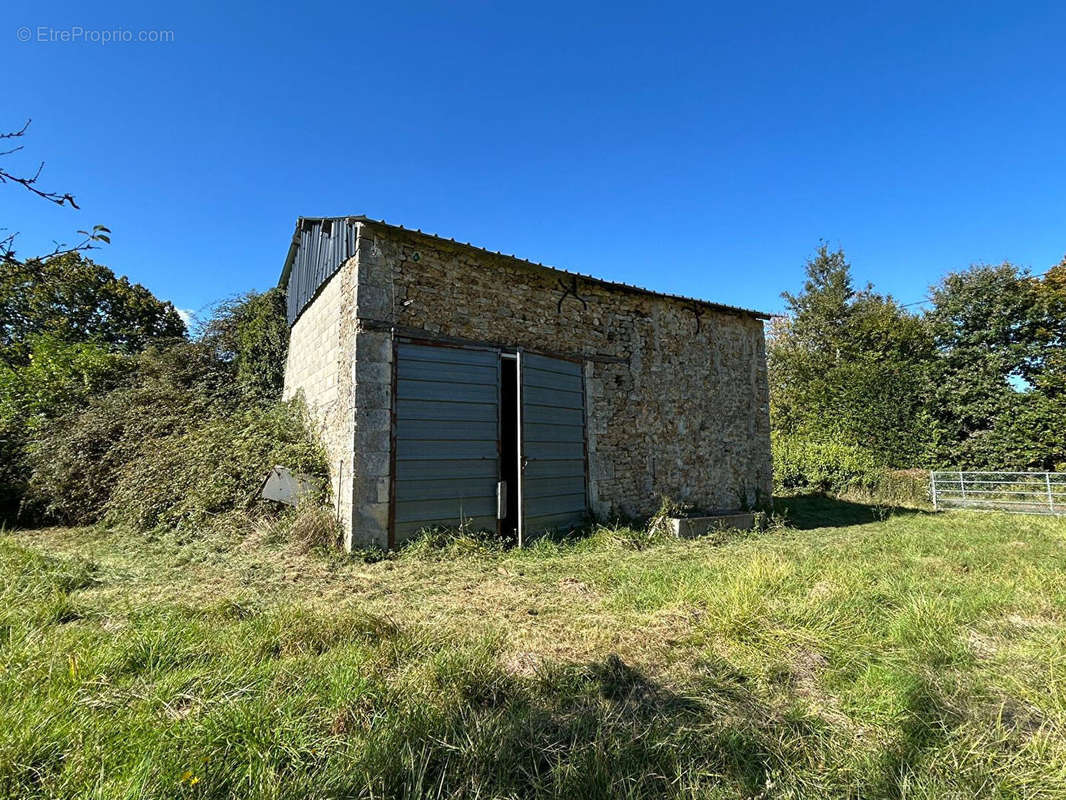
<point x="688" y="527"/>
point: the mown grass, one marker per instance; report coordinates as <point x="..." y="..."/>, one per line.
<point x="887" y="654"/>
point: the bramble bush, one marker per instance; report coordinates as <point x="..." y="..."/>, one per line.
<point x="74" y="458"/>
<point x="167" y="437"/>
<point x="184" y="478"/>
<point x="53" y="376"/>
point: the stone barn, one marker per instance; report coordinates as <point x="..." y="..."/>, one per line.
<point x="453" y="385"/>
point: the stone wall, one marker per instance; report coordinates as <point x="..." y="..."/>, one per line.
<point x="373" y="396"/>
<point x="319" y="366"/>
<point x="677" y="397"/>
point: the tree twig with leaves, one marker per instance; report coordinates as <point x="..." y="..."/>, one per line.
<point x="90" y="239"/>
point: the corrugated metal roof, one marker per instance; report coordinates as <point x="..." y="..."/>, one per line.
<point x="319" y="248"/>
<point x="322" y="261"/>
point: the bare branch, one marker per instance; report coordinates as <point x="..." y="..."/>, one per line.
<point x="28" y="183"/>
<point x="91" y="240"/>
<point x="16" y="134"/>
<point x="52" y="197"/>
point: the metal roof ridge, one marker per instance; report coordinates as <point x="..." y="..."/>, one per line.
<point x="419" y="232"/>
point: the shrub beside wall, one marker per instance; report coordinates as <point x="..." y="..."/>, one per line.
<point x="178" y="442"/>
<point x="177" y="434"/>
<point x="186" y="477"/>
<point x="825" y="466"/>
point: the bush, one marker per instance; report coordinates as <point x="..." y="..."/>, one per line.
<point x="176" y="443"/>
<point x="56" y="376"/>
<point x="801" y="463"/>
<point x="74" y="458"/>
<point x="903" y="487"/>
<point x="106" y="410"/>
<point x="213" y="467"/>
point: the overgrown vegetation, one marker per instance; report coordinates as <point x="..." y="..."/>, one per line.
<point x="860" y="385"/>
<point x="895" y="654"/>
<point x="109" y="412"/>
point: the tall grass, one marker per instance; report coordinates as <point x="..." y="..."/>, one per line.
<point x="913" y="656"/>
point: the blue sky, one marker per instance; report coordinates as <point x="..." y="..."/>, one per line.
<point x="697" y="148"/>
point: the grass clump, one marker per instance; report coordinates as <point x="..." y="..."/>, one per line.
<point x="440" y="543"/>
<point x="312" y="525"/>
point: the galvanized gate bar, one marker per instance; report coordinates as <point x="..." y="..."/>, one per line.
<point x="1016" y="492"/>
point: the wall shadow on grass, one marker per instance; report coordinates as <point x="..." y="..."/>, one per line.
<point x="597" y="730"/>
<point x="808" y="511"/>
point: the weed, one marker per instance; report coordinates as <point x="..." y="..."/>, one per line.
<point x="312" y="525"/>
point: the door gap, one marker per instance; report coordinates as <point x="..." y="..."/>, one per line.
<point x="509" y="452"/>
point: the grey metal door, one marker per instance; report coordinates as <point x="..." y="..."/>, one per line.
<point x="447" y="433"/>
<point x="553" y="444"/>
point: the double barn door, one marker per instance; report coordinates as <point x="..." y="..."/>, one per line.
<point x="487" y="439"/>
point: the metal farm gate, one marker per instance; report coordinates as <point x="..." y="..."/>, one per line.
<point x="1017" y="492"/>
<point x="486" y="439"/>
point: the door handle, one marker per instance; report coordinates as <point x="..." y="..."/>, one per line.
<point x="501" y="499"/>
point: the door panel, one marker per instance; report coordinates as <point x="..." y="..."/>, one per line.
<point x="553" y="444"/>
<point x="444" y="410"/>
<point x="447" y="438"/>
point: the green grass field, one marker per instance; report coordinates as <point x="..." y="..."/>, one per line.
<point x="856" y="653"/>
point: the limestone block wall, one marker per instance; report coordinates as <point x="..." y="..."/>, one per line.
<point x="677" y="394"/>
<point x="319" y="366"/>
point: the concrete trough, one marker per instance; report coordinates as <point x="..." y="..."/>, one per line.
<point x="690" y="527"/>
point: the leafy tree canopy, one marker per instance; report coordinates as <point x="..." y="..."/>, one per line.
<point x="73" y="299"/>
<point x="978" y="381"/>
<point x="251" y="331"/>
<point x="847" y="366"/>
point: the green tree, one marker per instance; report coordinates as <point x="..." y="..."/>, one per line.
<point x="997" y="343"/>
<point x="850" y="367"/>
<point x="252" y="332"/>
<point x="1050" y="377"/>
<point x="978" y="381"/>
<point x="73" y="299"/>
